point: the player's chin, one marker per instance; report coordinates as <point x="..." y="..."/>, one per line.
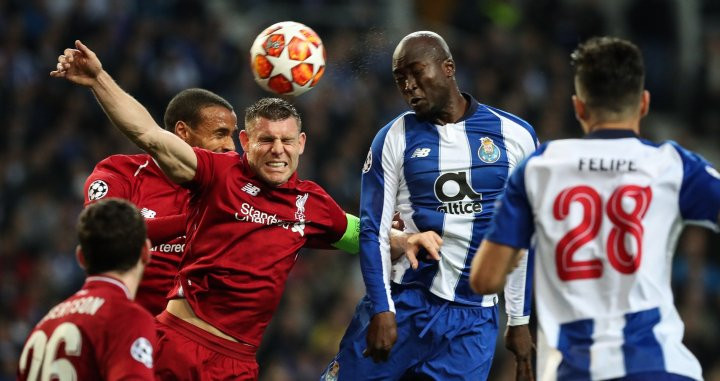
<point x="275" y="178"/>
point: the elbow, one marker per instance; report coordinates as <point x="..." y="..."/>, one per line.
<point x="486" y="283"/>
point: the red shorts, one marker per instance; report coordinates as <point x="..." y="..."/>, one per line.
<point x="186" y="352"/>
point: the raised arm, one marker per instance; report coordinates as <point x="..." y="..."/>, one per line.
<point x="175" y="157"/>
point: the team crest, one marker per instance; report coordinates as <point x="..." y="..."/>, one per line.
<point x="97" y="190"/>
<point x="368" y="162"/>
<point x="488" y="151"/>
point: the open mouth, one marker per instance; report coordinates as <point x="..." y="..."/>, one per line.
<point x="414" y="101"/>
<point x="276" y="164"/>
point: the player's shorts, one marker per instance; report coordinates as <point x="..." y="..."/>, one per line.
<point x="436" y="340"/>
<point x="186" y="352"/>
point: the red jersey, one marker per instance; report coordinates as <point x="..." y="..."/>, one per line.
<point x="243" y="238"/>
<point x="138" y="179"/>
<point x="97" y="334"/>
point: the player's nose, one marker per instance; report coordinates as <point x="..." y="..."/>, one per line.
<point x="228" y="145"/>
<point x="277" y="147"/>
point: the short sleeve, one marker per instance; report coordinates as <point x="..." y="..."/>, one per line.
<point x="700" y="190"/>
<point x="131" y="346"/>
<point x="104" y="182"/>
<point x="204" y="172"/>
<point x="333" y="224"/>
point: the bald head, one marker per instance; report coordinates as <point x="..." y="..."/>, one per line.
<point x="424" y="72"/>
<point x="424" y="44"/>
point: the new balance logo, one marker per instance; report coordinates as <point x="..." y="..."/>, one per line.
<point x="251" y="189"/>
<point x="147" y="213"/>
<point x="421" y="152"/>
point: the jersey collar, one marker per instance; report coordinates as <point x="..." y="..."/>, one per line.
<point x="474" y="104"/>
<point x="611" y="134"/>
<point x="109" y="280"/>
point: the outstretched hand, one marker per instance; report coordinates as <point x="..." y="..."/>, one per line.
<point x="381" y="336"/>
<point x="429" y="240"/>
<point x="79" y="65"/>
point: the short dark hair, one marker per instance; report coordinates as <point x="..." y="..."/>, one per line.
<point x="111" y="234"/>
<point x="611" y="73"/>
<point x="186" y="106"/>
<point x="272" y="109"/>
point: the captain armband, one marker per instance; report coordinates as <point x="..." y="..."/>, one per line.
<point x="350" y="241"/>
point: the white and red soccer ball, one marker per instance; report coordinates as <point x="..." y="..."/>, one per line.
<point x="287" y="58"/>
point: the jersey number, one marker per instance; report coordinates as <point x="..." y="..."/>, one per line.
<point x="624" y="224"/>
<point x="44" y="354"/>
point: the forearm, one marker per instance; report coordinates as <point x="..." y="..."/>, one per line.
<point x="163" y="229"/>
<point x="518" y="293"/>
<point x="398" y="244"/>
<point x="174" y="156"/>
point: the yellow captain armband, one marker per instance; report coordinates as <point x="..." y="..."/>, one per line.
<point x="350" y="241"/>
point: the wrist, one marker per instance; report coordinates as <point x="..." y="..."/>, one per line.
<point x="101" y="80"/>
<point x="517" y="320"/>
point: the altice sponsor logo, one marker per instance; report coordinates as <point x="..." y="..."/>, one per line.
<point x="456" y="196"/>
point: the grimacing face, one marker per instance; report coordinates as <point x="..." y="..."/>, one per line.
<point x="273" y="148"/>
<point x="215" y="130"/>
<point x="422" y="79"/>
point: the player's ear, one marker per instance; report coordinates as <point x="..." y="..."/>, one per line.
<point x="145" y="253"/>
<point x="449" y="67"/>
<point x="244" y="140"/>
<point x="182" y="130"/>
<point x="301" y="141"/>
<point x="580" y="108"/>
<point x="80" y="257"/>
<point x="644" y="103"/>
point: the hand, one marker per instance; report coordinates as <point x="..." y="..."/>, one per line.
<point x="430" y="241"/>
<point x="381" y="336"/>
<point x="519" y="342"/>
<point x="397" y="222"/>
<point x="80" y="65"/>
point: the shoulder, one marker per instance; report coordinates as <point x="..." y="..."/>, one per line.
<point x="217" y="157"/>
<point x="309" y="186"/>
<point x="509" y="119"/>
<point x="397" y="126"/>
<point x="128" y="314"/>
<point x="120" y="161"/>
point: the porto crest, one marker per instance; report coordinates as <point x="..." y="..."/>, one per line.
<point x="488" y="151"/>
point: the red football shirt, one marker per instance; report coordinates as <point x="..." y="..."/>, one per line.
<point x="138" y="179"/>
<point x="243" y="238"/>
<point x="97" y="334"/>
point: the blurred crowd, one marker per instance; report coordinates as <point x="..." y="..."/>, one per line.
<point x="511" y="54"/>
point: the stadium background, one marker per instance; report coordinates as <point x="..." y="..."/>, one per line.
<point x="511" y="54"/>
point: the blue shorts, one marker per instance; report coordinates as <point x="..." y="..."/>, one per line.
<point x="437" y="340"/>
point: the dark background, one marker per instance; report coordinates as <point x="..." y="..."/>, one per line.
<point x="510" y="54"/>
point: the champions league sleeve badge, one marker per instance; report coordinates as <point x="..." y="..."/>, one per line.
<point x="97" y="190"/>
<point x="488" y="151"/>
<point x="368" y="162"/>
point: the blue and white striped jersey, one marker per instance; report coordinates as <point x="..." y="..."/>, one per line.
<point x="445" y="179"/>
<point x="605" y="213"/>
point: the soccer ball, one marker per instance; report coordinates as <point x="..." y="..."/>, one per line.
<point x="287" y="58"/>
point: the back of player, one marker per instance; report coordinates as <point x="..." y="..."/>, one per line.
<point x="604" y="213"/>
<point x="609" y="209"/>
<point x="99" y="333"/>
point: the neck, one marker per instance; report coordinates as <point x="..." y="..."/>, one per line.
<point x="617" y="125"/>
<point x="456" y="107"/>
<point x="130" y="278"/>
